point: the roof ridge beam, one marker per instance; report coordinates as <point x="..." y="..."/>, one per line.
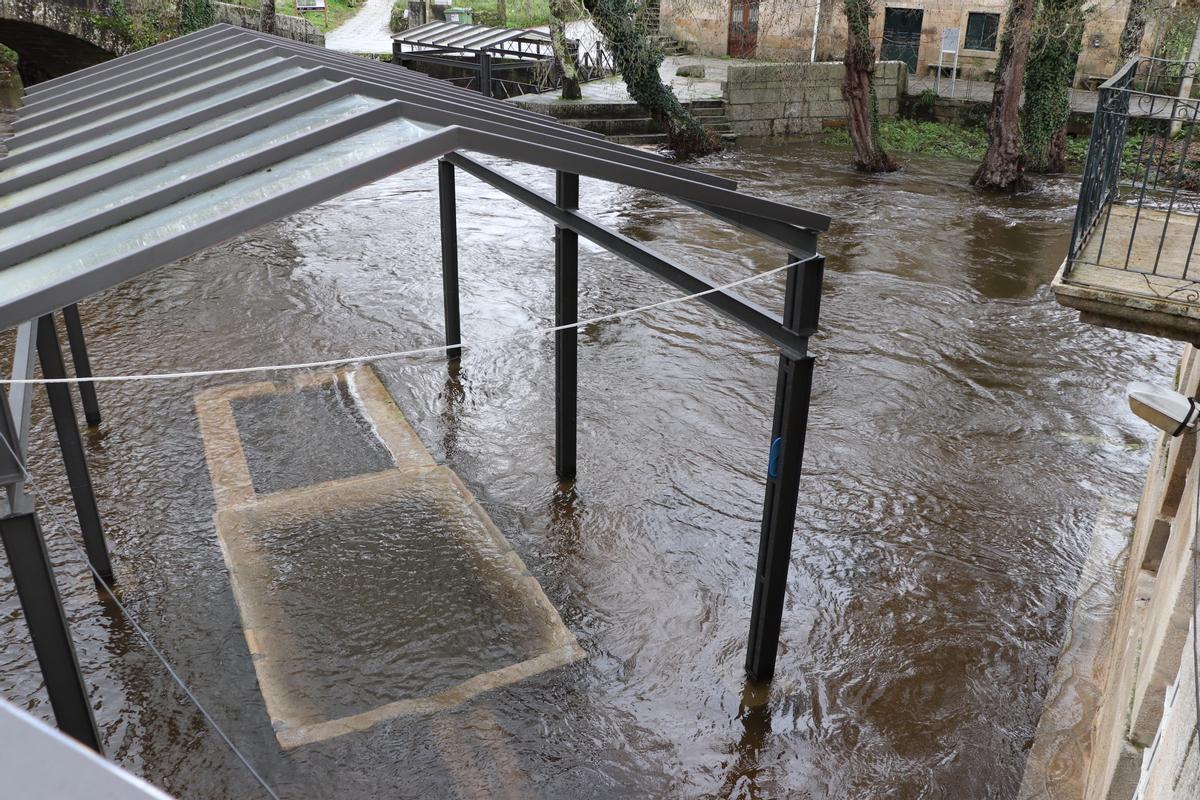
<point x="394" y="73"/>
<point x="443" y="113"/>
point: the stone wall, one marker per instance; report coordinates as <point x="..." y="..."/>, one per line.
<point x="786" y="31"/>
<point x="286" y="26"/>
<point x="1138" y="733"/>
<point x="777" y="99"/>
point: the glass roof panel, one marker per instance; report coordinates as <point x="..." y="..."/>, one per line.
<point x="135" y="154"/>
<point x="118" y="110"/>
<point x="85" y="255"/>
<point x="182" y="169"/>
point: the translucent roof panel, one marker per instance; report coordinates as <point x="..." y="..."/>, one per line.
<point x="128" y="165"/>
<point x="221" y="202"/>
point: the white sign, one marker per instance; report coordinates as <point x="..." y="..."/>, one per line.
<point x="950" y="40"/>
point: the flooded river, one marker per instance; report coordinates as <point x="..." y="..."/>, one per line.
<point x="965" y="431"/>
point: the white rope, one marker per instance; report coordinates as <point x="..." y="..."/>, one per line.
<point x="335" y="362"/>
<point x="28" y="479"/>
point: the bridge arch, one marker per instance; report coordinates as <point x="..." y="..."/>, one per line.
<point x="54" y="37"/>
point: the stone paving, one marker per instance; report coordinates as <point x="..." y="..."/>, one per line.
<point x="365" y="32"/>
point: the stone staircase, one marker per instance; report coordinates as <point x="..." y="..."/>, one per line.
<point x="651" y="19"/>
<point x="628" y="123"/>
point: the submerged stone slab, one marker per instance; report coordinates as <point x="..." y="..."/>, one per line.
<point x="370" y="596"/>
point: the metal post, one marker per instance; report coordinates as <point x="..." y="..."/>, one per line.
<point x="566" y="312"/>
<point x="83" y="365"/>
<point x="50" y="356"/>
<point x="485" y="74"/>
<point x="40" y="601"/>
<point x="449" y="219"/>
<point x="792" y="389"/>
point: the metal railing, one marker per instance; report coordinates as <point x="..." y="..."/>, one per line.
<point x="1139" y="204"/>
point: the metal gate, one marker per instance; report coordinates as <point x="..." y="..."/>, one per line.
<point x="743" y="28"/>
<point x="901" y="35"/>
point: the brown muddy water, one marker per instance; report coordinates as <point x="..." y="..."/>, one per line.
<point x="965" y="430"/>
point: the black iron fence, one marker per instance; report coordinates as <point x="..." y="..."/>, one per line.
<point x="1139" y="196"/>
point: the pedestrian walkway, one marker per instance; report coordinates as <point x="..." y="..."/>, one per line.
<point x="366" y="32"/>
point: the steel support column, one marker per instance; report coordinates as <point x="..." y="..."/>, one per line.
<point x="792" y="390"/>
<point x="449" y="219"/>
<point x="42" y="606"/>
<point x="566" y="312"/>
<point x="83" y="365"/>
<point x="485" y="74"/>
<point x="65" y="424"/>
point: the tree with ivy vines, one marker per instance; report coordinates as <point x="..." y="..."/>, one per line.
<point x="1055" y="43"/>
<point x="858" y="90"/>
<point x="638" y="59"/>
<point x="1003" y="167"/>
<point x="560" y="11"/>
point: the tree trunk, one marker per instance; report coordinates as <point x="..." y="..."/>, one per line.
<point x="1135" y="29"/>
<point x="502" y="12"/>
<point x="638" y="60"/>
<point x="562" y="54"/>
<point x="1055" y="42"/>
<point x="1003" y="167"/>
<point x="858" y="89"/>
<point x="268" y="16"/>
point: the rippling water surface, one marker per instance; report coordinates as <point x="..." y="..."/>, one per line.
<point x="965" y="429"/>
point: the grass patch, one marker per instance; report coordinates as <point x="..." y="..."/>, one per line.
<point x="931" y="138"/>
<point x="518" y="13"/>
<point x="946" y="140"/>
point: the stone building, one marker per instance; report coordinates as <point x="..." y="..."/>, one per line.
<point x="815" y="30"/>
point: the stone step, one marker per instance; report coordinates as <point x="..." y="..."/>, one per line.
<point x="587" y="110"/>
<point x="708" y="113"/>
<point x="714" y="103"/>
<point x="621" y="126"/>
<point x="640" y="139"/>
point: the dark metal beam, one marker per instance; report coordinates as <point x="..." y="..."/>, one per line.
<point x="449" y="221"/>
<point x="759" y="320"/>
<point x="793" y="389"/>
<point x="82" y="364"/>
<point x="65" y="424"/>
<point x="48" y="628"/>
<point x="566" y="312"/>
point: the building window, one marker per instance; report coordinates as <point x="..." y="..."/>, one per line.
<point x="981" y="31"/>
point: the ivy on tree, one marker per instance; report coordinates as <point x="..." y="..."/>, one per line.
<point x="858" y="90"/>
<point x="1055" y="42"/>
<point x="638" y="59"/>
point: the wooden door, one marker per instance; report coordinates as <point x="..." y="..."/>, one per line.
<point x="743" y="28"/>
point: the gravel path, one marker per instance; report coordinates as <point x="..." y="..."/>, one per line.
<point x="365" y="32"/>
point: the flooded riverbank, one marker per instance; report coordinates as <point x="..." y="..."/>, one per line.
<point x="964" y="431"/>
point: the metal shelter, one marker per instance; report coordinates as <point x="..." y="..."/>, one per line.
<point x="126" y="166"/>
<point x="456" y="38"/>
<point x="496" y="62"/>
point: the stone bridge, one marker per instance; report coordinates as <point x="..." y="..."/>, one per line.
<point x="54" y="37"/>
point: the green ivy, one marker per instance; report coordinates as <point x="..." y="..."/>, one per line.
<point x="196" y="14"/>
<point x="1054" y="46"/>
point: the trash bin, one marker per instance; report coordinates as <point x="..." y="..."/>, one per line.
<point x="459" y="15"/>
